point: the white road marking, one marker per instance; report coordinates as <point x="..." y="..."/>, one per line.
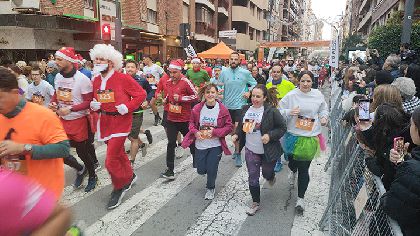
<point x="71" y="196"/>
<point x="132" y="213"/>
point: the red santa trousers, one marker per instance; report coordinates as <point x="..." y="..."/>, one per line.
<point x="117" y="163"/>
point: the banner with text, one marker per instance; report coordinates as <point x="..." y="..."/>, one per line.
<point x="334" y="52"/>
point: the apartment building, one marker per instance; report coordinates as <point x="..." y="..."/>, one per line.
<point x="249" y="19"/>
<point x="148" y="26"/>
<point x="292" y="18"/>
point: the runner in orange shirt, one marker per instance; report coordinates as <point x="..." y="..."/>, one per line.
<point x="32" y="138"/>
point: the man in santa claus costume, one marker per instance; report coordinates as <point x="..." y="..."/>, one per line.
<point x="73" y="94"/>
<point x="115" y="97"/>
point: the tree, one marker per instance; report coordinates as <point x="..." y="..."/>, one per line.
<point x="387" y="38"/>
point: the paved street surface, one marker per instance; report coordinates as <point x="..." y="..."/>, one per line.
<point x="155" y="206"/>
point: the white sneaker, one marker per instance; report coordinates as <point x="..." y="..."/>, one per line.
<point x="300" y="206"/>
<point x="292" y="178"/>
<point x="209" y="194"/>
<point x="253" y="209"/>
<point x="179" y="152"/>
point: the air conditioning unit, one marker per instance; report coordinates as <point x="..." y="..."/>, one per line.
<point x="25" y="5"/>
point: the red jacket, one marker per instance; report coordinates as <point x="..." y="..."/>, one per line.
<point x="224" y="126"/>
<point x="126" y="91"/>
<point x="185" y="89"/>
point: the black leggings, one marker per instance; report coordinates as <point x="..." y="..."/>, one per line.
<point x="73" y="163"/>
<point x="172" y="129"/>
<point x="82" y="150"/>
<point x="303" y="174"/>
<point x="90" y="146"/>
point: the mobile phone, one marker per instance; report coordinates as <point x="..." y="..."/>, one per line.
<point x="399" y="147"/>
<point x="364" y="105"/>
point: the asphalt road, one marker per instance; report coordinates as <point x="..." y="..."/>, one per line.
<point x="158" y="207"/>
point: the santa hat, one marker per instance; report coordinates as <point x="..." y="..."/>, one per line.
<point x="177" y="64"/>
<point x="67" y="53"/>
<point x="195" y="60"/>
<point x="107" y="52"/>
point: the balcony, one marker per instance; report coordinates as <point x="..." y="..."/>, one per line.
<point x="223" y="7"/>
<point x="364" y="5"/>
<point x="244" y="14"/>
<point x="208" y="3"/>
<point x="244" y="42"/>
<point x="365" y="20"/>
<point x="205" y="32"/>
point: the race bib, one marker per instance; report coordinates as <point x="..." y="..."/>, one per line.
<point x="64" y="95"/>
<point x="15" y="164"/>
<point x="248" y="126"/>
<point x="175" y="108"/>
<point x="205" y="132"/>
<point x="105" y="96"/>
<point x="305" y="123"/>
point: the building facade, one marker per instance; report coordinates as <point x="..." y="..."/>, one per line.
<point x="249" y="18"/>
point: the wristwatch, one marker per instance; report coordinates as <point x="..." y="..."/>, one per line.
<point x="28" y="148"/>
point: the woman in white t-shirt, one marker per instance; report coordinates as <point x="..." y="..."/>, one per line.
<point x="259" y="130"/>
<point x="209" y="124"/>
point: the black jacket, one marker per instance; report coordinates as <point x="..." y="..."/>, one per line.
<point x="273" y="124"/>
<point x="402" y="201"/>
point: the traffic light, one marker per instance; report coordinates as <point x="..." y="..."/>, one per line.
<point x="106" y="32"/>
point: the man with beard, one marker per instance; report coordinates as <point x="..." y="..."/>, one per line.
<point x="136" y="143"/>
<point x="236" y="82"/>
<point x="290" y="66"/>
<point x="115" y="97"/>
<point x="73" y="93"/>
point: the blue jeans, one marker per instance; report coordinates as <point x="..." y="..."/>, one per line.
<point x="208" y="163"/>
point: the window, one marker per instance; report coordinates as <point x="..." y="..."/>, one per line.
<point x="252" y="7"/>
<point x="151" y="16"/>
<point x="204" y="15"/>
<point x="185" y="13"/>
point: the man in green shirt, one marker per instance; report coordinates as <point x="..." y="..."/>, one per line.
<point x="197" y="75"/>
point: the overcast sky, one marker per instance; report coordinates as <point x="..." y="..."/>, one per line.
<point x="328" y="9"/>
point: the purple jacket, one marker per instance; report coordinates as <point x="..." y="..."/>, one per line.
<point x="224" y="126"/>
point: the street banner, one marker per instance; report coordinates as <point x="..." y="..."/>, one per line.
<point x="190" y="51"/>
<point x="334" y="52"/>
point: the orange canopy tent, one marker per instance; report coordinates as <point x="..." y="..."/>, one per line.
<point x="221" y="51"/>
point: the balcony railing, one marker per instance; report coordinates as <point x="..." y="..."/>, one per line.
<point x="224" y="4"/>
<point x="205" y="28"/>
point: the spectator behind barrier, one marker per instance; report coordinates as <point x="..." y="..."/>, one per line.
<point x="377" y="140"/>
<point x="408" y="90"/>
<point x="402" y="201"/>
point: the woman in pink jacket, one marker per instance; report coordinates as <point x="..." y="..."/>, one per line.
<point x="209" y="124"/>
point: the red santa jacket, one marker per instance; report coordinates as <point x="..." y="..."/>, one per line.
<point x="186" y="90"/>
<point x="126" y="91"/>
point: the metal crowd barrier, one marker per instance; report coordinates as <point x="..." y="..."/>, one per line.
<point x="354" y="196"/>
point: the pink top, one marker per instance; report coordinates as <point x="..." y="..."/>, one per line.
<point x="24" y="204"/>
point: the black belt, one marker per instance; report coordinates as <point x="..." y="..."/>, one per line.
<point x="110" y="113"/>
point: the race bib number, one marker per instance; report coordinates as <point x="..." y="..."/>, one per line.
<point x="248" y="126"/>
<point x="175" y="108"/>
<point x="15" y="164"/>
<point x="64" y="95"/>
<point x="105" y="96"/>
<point x="305" y="123"/>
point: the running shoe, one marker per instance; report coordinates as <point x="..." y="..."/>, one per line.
<point x="209" y="194"/>
<point x="300" y="206"/>
<point x="168" y="174"/>
<point x="179" y="152"/>
<point x="278" y="167"/>
<point x="238" y="159"/>
<point x="116" y="198"/>
<point x="80" y="176"/>
<point x="92" y="183"/>
<point x="253" y="209"/>
<point x="74" y="231"/>
<point x="148" y="136"/>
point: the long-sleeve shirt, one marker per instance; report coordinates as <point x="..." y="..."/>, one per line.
<point x="235" y="84"/>
<point x="187" y="95"/>
<point x="312" y="105"/>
